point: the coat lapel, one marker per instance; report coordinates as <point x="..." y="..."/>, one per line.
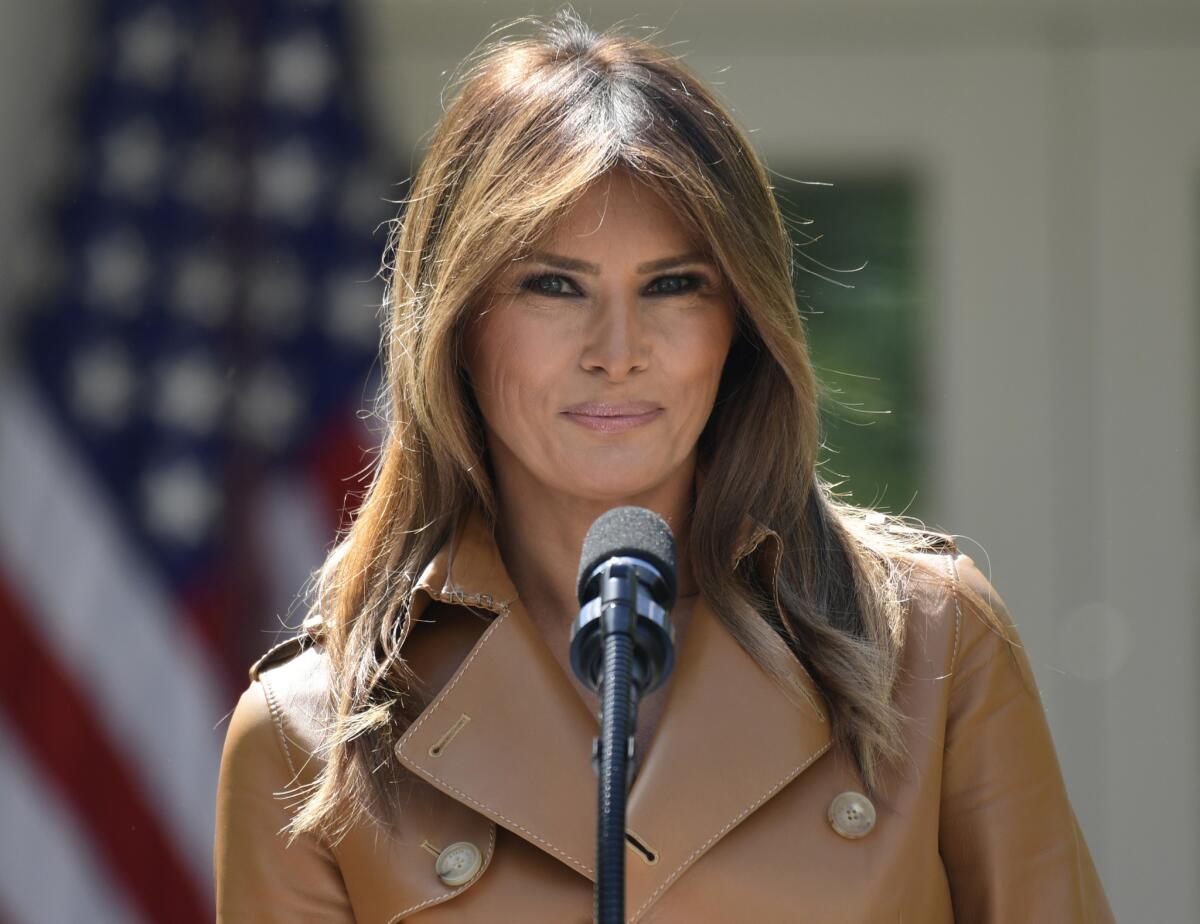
<point x="508" y="735"/>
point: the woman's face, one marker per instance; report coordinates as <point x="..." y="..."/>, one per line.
<point x="596" y="362"/>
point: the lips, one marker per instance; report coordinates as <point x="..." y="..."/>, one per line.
<point x="608" y="409"/>
<point x="613" y="417"/>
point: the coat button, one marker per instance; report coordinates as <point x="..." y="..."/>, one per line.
<point x="852" y="815"/>
<point x="458" y="863"/>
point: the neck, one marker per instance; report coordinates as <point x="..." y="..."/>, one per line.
<point x="540" y="533"/>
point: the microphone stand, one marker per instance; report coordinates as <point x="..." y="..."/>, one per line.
<point x="621" y="644"/>
<point x="618" y="716"/>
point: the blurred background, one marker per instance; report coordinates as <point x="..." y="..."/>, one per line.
<point x="997" y="213"/>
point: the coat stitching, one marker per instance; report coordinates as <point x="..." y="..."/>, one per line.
<point x="487" y="859"/>
<point x="277" y="717"/>
<point x="792" y="774"/>
<point x="953" y="569"/>
<point x="436" y="705"/>
<point x="578" y="864"/>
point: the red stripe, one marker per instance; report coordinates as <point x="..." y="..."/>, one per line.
<point x="60" y="729"/>
<point x="227" y="602"/>
<point x="340" y="457"/>
<point x="217" y="620"/>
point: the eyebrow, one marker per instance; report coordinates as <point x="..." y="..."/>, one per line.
<point x="582" y="266"/>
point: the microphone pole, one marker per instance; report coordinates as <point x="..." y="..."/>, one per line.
<point x="622" y="646"/>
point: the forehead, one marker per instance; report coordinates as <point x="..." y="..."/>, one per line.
<point x="618" y="210"/>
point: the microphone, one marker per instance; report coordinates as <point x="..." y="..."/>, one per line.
<point x="628" y="558"/>
<point x="622" y="646"/>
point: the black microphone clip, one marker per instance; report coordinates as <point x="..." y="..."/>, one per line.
<point x="629" y="595"/>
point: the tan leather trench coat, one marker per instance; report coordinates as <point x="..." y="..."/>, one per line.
<point x="738" y="809"/>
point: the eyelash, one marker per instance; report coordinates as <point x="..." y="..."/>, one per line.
<point x="695" y="283"/>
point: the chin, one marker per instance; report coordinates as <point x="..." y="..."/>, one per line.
<point x="614" y="487"/>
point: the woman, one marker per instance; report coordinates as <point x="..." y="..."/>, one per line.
<point x="591" y="305"/>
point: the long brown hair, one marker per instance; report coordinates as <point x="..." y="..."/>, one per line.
<point x="534" y="122"/>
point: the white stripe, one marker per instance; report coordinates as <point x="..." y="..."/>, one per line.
<point x="50" y="871"/>
<point x="296" y="527"/>
<point x="111" y="622"/>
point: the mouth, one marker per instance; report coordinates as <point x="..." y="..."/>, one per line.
<point x="608" y="417"/>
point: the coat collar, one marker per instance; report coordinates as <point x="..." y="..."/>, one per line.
<point x="508" y="736"/>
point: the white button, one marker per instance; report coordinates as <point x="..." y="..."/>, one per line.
<point x="852" y="815"/>
<point x="458" y="863"/>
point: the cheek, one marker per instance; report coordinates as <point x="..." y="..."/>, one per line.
<point x="510" y="370"/>
<point x="701" y="353"/>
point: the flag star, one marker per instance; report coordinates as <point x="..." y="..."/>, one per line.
<point x="102" y="384"/>
<point x="352" y="305"/>
<point x="287" y="182"/>
<point x="212" y="179"/>
<point x="132" y="159"/>
<point x="300" y="72"/>
<point x="277" y="296"/>
<point x="204" y="287"/>
<point x="180" y="504"/>
<point x="117" y="270"/>
<point x="267" y="409"/>
<point x="190" y="394"/>
<point x="148" y="46"/>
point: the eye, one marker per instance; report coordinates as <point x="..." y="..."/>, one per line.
<point x="544" y="284"/>
<point x="681" y="284"/>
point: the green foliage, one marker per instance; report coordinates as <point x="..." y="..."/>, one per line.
<point x="864" y="320"/>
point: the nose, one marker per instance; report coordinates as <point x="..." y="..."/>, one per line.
<point x="616" y="343"/>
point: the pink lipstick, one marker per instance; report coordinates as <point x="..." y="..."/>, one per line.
<point x="613" y="417"/>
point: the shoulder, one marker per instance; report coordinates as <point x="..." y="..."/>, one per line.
<point x="950" y="603"/>
<point x="922" y="566"/>
<point x="990" y="640"/>
<point x="282" y="652"/>
<point x="953" y="600"/>
<point x="288" y="699"/>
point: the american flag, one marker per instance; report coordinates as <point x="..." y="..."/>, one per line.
<point x="178" y="438"/>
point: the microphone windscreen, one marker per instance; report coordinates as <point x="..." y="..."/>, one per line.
<point x="628" y="531"/>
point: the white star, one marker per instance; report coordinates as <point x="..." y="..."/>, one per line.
<point x="179" y="502"/>
<point x="267" y="409"/>
<point x="287" y="182"/>
<point x="117" y="268"/>
<point x="132" y="159"/>
<point x="190" y="394"/>
<point x="278" y="292"/>
<point x="352" y="308"/>
<point x="212" y="179"/>
<point x="148" y="46"/>
<point x="203" y="289"/>
<point x="300" y="72"/>
<point x="102" y="383"/>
